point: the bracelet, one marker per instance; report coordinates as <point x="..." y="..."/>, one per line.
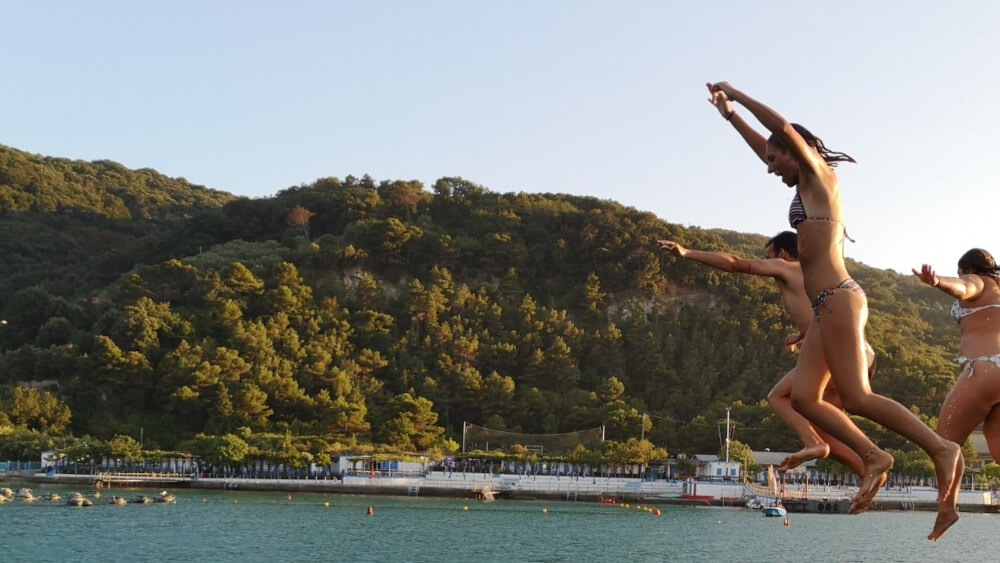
<point x="731" y="114"/>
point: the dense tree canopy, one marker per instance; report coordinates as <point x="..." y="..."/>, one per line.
<point x="348" y="313"/>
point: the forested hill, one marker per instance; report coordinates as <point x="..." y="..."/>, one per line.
<point x="68" y="224"/>
<point x="351" y="312"/>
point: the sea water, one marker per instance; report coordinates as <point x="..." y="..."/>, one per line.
<point x="255" y="526"/>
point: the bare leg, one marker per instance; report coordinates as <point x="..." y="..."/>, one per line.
<point x="838" y="449"/>
<point x="991" y="429"/>
<point x="780" y="399"/>
<point x="972" y="400"/>
<point x="808" y="399"/>
<point x="842" y="332"/>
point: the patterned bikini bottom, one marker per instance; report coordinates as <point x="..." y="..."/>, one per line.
<point x="848" y="284"/>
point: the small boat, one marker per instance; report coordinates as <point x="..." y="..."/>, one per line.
<point x="823" y="505"/>
<point x="7" y="493"/>
<point x="52" y="496"/>
<point x="774" y="510"/>
<point x="168" y="498"/>
<point x="142" y="499"/>
<point x="120" y="501"/>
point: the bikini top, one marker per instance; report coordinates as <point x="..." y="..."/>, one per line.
<point x="797" y="214"/>
<point x="958" y="312"/>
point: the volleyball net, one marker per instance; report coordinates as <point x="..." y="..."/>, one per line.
<point x="475" y="437"/>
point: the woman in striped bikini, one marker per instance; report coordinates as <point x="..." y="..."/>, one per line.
<point x="840" y="311"/>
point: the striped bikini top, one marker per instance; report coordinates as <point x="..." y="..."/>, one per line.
<point x="797" y="214"/>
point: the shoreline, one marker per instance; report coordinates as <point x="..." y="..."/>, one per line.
<point x="515" y="487"/>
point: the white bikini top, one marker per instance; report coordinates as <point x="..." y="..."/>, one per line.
<point x="958" y="312"/>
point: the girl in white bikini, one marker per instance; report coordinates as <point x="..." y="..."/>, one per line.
<point x="975" y="398"/>
<point x="840" y="307"/>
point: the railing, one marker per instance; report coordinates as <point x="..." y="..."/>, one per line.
<point x="6" y="466"/>
<point x="798" y="492"/>
<point x="125" y="476"/>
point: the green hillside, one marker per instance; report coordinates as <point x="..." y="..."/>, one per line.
<point x="351" y="314"/>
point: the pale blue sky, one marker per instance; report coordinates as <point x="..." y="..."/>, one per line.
<point x="584" y="97"/>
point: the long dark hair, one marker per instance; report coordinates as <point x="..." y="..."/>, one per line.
<point x="979" y="262"/>
<point x="831" y="157"/>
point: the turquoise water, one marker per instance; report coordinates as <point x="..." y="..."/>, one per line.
<point x="248" y="526"/>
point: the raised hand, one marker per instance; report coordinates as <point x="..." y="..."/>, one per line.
<point x="672" y="247"/>
<point x="724" y="87"/>
<point x="927" y="275"/>
<point x="721" y="102"/>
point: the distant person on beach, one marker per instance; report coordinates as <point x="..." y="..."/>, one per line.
<point x="975" y="398"/>
<point x="840" y="309"/>
<point x="782" y="265"/>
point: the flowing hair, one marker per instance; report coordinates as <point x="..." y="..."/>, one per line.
<point x="831" y="157"/>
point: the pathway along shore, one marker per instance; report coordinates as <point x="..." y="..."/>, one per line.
<point x="512" y="487"/>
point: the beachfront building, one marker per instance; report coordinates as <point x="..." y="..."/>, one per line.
<point x="381" y="466"/>
<point x="711" y="468"/>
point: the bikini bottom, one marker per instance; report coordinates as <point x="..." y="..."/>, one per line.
<point x="967" y="362"/>
<point x="821" y="299"/>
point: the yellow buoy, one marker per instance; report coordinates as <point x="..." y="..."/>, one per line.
<point x="545" y="511"/>
<point x="465" y="508"/>
<point x="326" y="504"/>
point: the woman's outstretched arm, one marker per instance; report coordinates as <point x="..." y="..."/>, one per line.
<point x="966" y="288"/>
<point x="776" y="124"/>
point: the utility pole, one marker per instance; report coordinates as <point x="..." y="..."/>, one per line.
<point x="642" y="435"/>
<point x="727" y="435"/>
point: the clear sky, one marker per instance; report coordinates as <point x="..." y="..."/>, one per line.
<point x="587" y="97"/>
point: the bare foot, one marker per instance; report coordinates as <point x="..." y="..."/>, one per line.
<point x="877" y="463"/>
<point x="945" y="518"/>
<point x="949" y="466"/>
<point x="863" y="503"/>
<point x="948" y="506"/>
<point x="819" y="451"/>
